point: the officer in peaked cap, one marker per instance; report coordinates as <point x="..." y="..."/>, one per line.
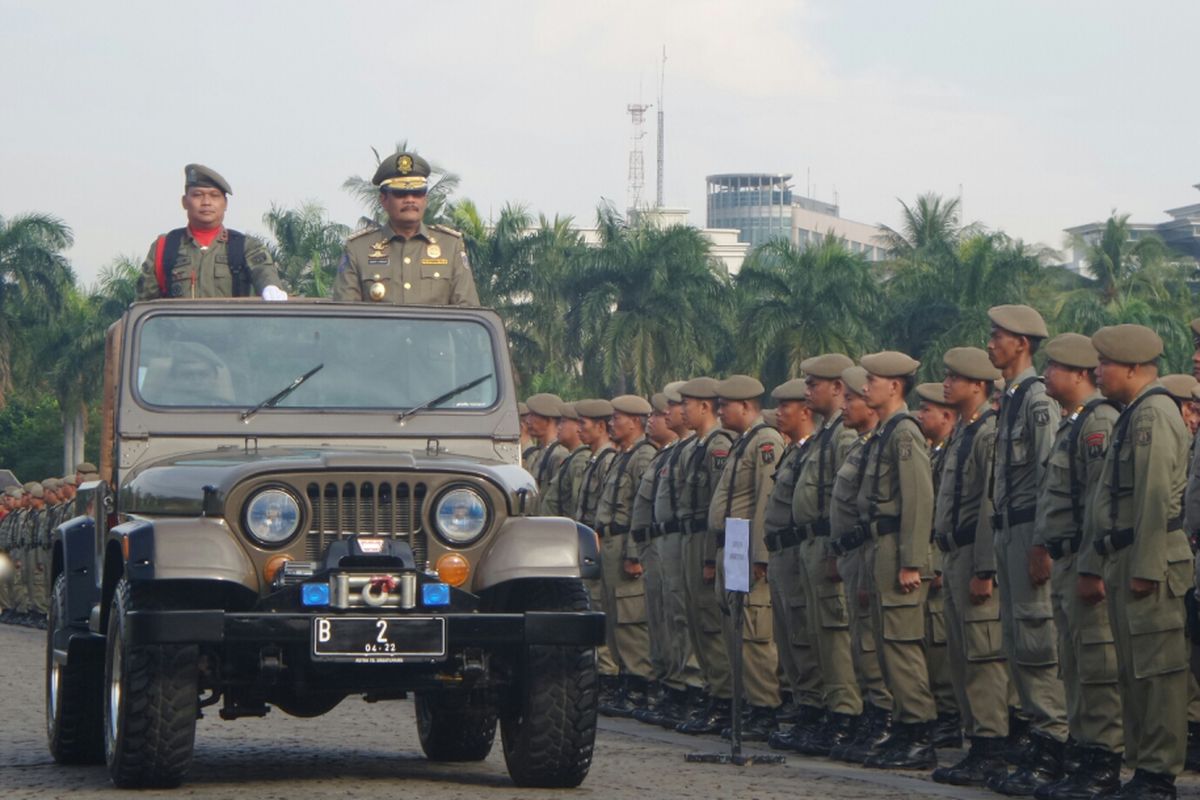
<point x="206" y="259"/>
<point x="1139" y="556"/>
<point x="405" y="262"/>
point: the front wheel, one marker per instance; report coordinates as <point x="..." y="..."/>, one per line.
<point x="455" y="727"/>
<point x="74" y="729"/>
<point x="549" y="726"/>
<point x="150" y="703"/>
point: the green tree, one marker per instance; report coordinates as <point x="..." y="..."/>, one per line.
<point x="307" y="247"/>
<point x="442" y="184"/>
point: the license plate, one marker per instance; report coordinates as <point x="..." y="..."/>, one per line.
<point x="379" y="639"/>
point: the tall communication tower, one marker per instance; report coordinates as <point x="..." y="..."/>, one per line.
<point x="662" y="77"/>
<point x="637" y="166"/>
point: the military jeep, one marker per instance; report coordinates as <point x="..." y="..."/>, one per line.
<point x="305" y="501"/>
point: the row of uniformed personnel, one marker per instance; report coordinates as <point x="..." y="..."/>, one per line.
<point x="28" y="515"/>
<point x="1014" y="571"/>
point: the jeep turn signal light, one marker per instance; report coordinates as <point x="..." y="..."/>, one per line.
<point x="273" y="566"/>
<point x="453" y="569"/>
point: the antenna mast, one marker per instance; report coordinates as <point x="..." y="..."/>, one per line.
<point x="662" y="78"/>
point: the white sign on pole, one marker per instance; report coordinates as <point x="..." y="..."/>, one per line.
<point x="737" y="555"/>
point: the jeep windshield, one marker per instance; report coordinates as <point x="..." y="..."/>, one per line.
<point x="235" y="361"/>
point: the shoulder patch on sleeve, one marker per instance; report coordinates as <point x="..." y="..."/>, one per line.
<point x="1041" y="413"/>
<point x="766" y="451"/>
<point x="259" y="257"/>
<point x="1144" y="434"/>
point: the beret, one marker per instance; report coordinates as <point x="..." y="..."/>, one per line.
<point x="632" y="404"/>
<point x="658" y="402"/>
<point x="795" y="389"/>
<point x="740" y="387"/>
<point x="567" y="411"/>
<point x="1180" y="385"/>
<point x="51" y="483"/>
<point x="828" y="366"/>
<point x="544" y="405"/>
<point x="200" y="175"/>
<point x="594" y="409"/>
<point x="34" y="488"/>
<point x="704" y="388"/>
<point x="671" y="390"/>
<point x="890" y="364"/>
<point x="771" y="417"/>
<point x="1021" y="320"/>
<point x="70" y="479"/>
<point x="932" y="393"/>
<point x="522" y="409"/>
<point x="1072" y="350"/>
<point x="855" y="378"/>
<point x="970" y="362"/>
<point x="14" y="491"/>
<point x="1128" y="344"/>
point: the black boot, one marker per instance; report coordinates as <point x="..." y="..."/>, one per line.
<point x="609" y="686"/>
<point x="757" y="724"/>
<point x="668" y="700"/>
<point x="695" y="701"/>
<point x="620" y="704"/>
<point x="912" y="748"/>
<point x="1147" y="786"/>
<point x="837" y="731"/>
<point x="1042" y="764"/>
<point x="871" y="738"/>
<point x="713" y="720"/>
<point x="983" y="761"/>
<point x="1098" y="775"/>
<point x="1193" y="747"/>
<point x="1018" y="738"/>
<point x="947" y="731"/>
<point x="807" y="720"/>
<point x="1073" y="756"/>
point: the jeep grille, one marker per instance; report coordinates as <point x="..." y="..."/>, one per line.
<point x="372" y="508"/>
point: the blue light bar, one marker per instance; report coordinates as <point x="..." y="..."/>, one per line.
<point x="314" y="594"/>
<point x="435" y="594"/>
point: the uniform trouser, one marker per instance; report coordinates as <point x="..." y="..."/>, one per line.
<point x="39" y="594"/>
<point x="898" y="620"/>
<point x="704" y="619"/>
<point x="975" y="647"/>
<point x="20" y="584"/>
<point x="792" y="639"/>
<point x="871" y="684"/>
<point x="1087" y="660"/>
<point x="606" y="663"/>
<point x="682" y="669"/>
<point x="625" y="595"/>
<point x="1030" y="639"/>
<point x="937" y="656"/>
<point x="6" y="585"/>
<point x="656" y="623"/>
<point x="1152" y="657"/>
<point x="760" y="681"/>
<point x="829" y="628"/>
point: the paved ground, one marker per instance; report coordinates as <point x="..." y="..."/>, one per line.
<point x="361" y="748"/>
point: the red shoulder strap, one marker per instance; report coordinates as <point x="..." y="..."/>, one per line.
<point x="159" y="272"/>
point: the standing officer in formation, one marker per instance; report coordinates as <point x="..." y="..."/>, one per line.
<point x="405" y="262"/>
<point x="562" y="490"/>
<point x="545" y="410"/>
<point x="594" y="416"/>
<point x="206" y="259"/>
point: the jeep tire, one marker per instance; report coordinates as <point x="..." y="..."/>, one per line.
<point x="150" y="702"/>
<point x="548" y="727"/>
<point x="455" y="727"/>
<point x="74" y="729"/>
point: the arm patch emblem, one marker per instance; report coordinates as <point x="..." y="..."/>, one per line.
<point x="767" y="452"/>
<point x="1095" y="443"/>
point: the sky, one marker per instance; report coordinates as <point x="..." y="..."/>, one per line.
<point x="1044" y="115"/>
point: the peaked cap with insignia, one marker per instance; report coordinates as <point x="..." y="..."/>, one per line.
<point x="402" y="171"/>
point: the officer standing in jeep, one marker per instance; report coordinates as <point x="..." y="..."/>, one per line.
<point x="206" y="259"/>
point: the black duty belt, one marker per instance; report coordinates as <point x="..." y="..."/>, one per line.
<point x="720" y="539"/>
<point x="1066" y="546"/>
<point x="1114" y="541"/>
<point x="612" y="530"/>
<point x="883" y="526"/>
<point x="781" y="539"/>
<point x="695" y="525"/>
<point x="664" y="528"/>
<point x="640" y="535"/>
<point x="952" y="541"/>
<point x="818" y="528"/>
<point x="1016" y="516"/>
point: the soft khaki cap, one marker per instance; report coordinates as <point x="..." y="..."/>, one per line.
<point x="829" y="366"/>
<point x="1127" y="344"/>
<point x="567" y="411"/>
<point x="932" y="393"/>
<point x="544" y="405"/>
<point x="671" y="390"/>
<point x="1180" y="385"/>
<point x="522" y="409"/>
<point x="855" y="379"/>
<point x="1072" y="350"/>
<point x="632" y="404"/>
<point x="1021" y="320"/>
<point x="70" y="479"/>
<point x="740" y="387"/>
<point x="704" y="388"/>
<point x="658" y="402"/>
<point x="890" y="364"/>
<point x="971" y="363"/>
<point x="593" y="408"/>
<point x="86" y="467"/>
<point x="200" y="175"/>
<point x="34" y="488"/>
<point x="52" y="484"/>
<point x="14" y="492"/>
<point x="795" y="389"/>
<point x="402" y="171"/>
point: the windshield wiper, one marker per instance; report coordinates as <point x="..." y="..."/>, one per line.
<point x="441" y="398"/>
<point x="278" y="397"/>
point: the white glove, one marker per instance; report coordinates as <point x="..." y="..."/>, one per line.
<point x="273" y="294"/>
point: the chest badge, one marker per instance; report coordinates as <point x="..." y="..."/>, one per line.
<point x="377" y="291"/>
<point x="433" y="251"/>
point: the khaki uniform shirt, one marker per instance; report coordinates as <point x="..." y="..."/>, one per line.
<point x="542" y="466"/>
<point x="590" y="484"/>
<point x="843" y="511"/>
<point x="642" y="516"/>
<point x="745" y="484"/>
<point x="819" y="465"/>
<point x="620" y="484"/>
<point x="703" y="465"/>
<point x="562" y="493"/>
<point x="1061" y="506"/>
<point x="204" y="271"/>
<point x="898" y="483"/>
<point x="1150" y="457"/>
<point x="1191" y="506"/>
<point x="670" y="484"/>
<point x="429" y="269"/>
<point x="1023" y="447"/>
<point x="778" y="514"/>
<point x="969" y="493"/>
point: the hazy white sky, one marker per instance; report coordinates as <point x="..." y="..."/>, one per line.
<point x="1049" y="114"/>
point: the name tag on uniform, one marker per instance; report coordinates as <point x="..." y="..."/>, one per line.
<point x="434" y="261"/>
<point x="383" y="260"/>
<point x="737" y="555"/>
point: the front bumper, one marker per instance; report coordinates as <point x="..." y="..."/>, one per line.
<point x="215" y="626"/>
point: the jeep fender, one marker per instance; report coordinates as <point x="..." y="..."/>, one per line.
<point x="74" y="549"/>
<point x="192" y="549"/>
<point x="539" y="547"/>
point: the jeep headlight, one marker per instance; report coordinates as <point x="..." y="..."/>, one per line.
<point x="272" y="516"/>
<point x="461" y="515"/>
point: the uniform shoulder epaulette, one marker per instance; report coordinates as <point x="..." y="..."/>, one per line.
<point x="362" y="232"/>
<point x="446" y="230"/>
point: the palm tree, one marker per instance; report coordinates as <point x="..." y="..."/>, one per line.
<point x="307" y="247"/>
<point x="34" y="276"/>
<point x="442" y="184"/>
<point x="930" y="227"/>
<point x="798" y="302"/>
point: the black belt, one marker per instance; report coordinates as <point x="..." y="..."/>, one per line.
<point x="883" y="526"/>
<point x="960" y="538"/>
<point x="818" y="528"/>
<point x="695" y="525"/>
<point x="1114" y="541"/>
<point x="664" y="528"/>
<point x="1016" y="516"/>
<point x="787" y="537"/>
<point x="640" y="535"/>
<point x="1065" y="546"/>
<point x="720" y="539"/>
<point x="612" y="530"/>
